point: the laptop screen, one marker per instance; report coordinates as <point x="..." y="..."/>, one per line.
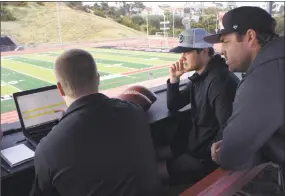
<point x="37" y="108"/>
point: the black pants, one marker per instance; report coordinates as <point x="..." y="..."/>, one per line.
<point x="188" y="169"/>
<point x="184" y="167"/>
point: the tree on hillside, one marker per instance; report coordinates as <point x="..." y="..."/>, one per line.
<point x="77" y="5"/>
<point x="280" y="25"/>
<point x="96" y="6"/>
<point x="211" y="11"/>
<point x="126" y="8"/>
<point x="214" y="10"/>
<point x="118" y="13"/>
<point x="15" y="3"/>
<point x="97" y="9"/>
<point x="74" y="4"/>
<point x="6" y="15"/>
<point x="138" y="20"/>
<point x="40" y="3"/>
<point x="177" y="21"/>
<point x="137" y="7"/>
<point x="154" y="21"/>
<point x="111" y="12"/>
<point x="207" y="22"/>
<point x="130" y="8"/>
<point x="138" y="4"/>
<point x="104" y="6"/>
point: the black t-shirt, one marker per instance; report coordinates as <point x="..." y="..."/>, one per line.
<point x="100" y="147"/>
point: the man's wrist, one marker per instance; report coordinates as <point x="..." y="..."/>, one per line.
<point x="174" y="80"/>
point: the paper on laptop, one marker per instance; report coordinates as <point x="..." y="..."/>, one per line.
<point x="17" y="155"/>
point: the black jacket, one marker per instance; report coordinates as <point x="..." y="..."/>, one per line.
<point x="100" y="147"/>
<point x="211" y="95"/>
<point x="254" y="133"/>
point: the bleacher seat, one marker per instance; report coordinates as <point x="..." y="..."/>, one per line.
<point x="7" y="44"/>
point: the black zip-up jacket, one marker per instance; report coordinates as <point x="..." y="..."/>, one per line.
<point x="101" y="146"/>
<point x="211" y="94"/>
<point x="255" y="132"/>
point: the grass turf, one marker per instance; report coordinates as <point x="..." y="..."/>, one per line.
<point x="24" y="72"/>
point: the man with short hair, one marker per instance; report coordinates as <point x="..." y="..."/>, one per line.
<point x="101" y="146"/>
<point x="210" y="92"/>
<point x="254" y="132"/>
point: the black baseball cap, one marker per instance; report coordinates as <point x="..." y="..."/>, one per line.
<point x="243" y="18"/>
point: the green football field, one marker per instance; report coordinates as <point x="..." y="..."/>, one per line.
<point x="116" y="67"/>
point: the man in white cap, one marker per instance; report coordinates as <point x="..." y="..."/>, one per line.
<point x="211" y="90"/>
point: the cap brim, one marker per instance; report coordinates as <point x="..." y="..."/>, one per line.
<point x="180" y="49"/>
<point x="213" y="39"/>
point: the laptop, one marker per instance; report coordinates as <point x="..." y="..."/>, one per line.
<point x="35" y="109"/>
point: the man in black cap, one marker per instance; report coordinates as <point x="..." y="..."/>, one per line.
<point x="254" y="132"/>
<point x="210" y="91"/>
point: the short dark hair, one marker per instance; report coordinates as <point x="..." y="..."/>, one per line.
<point x="210" y="53"/>
<point x="76" y="71"/>
<point x="262" y="38"/>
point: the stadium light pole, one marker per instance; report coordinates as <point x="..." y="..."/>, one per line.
<point x="147" y="25"/>
<point x="217" y="18"/>
<point x="147" y="29"/>
<point x="269" y="7"/>
<point x="164" y="24"/>
<point x="58" y="24"/>
<point x="173" y="21"/>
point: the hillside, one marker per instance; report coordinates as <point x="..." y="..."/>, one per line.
<point x="36" y="24"/>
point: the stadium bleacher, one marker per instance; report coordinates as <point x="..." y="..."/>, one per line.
<point x="7" y="44"/>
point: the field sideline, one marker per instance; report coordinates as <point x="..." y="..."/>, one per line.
<point x="116" y="68"/>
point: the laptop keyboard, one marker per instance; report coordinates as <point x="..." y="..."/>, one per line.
<point x="38" y="138"/>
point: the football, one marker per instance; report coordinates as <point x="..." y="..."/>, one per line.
<point x="139" y="95"/>
<point x="145" y="91"/>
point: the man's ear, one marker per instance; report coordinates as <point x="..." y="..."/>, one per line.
<point x="98" y="78"/>
<point x="61" y="91"/>
<point x="251" y="36"/>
